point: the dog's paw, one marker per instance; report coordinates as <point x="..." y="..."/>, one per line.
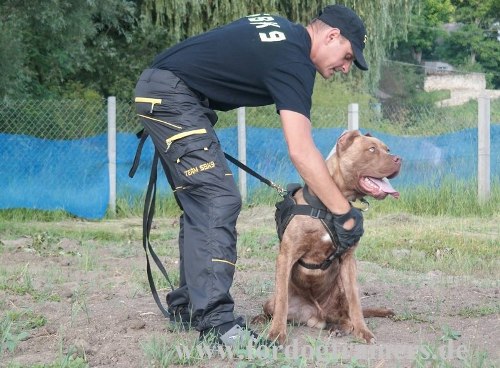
<point x="340" y="330"/>
<point x="260" y="319"/>
<point x="317" y="323"/>
<point x="279" y="336"/>
<point x="337" y="332"/>
<point x="366" y="335"/>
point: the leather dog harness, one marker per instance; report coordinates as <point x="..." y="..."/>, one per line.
<point x="288" y="208"/>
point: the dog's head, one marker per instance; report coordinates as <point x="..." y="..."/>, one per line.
<point x="362" y="165"/>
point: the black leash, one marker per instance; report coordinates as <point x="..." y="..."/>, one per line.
<point x="147" y="221"/>
<point x="280" y="190"/>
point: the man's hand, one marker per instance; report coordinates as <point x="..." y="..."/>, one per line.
<point x="348" y="235"/>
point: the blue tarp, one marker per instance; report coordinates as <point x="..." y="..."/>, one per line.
<point x="73" y="174"/>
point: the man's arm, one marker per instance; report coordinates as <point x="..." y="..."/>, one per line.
<point x="310" y="163"/>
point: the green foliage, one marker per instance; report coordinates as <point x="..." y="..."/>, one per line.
<point x="473" y="49"/>
<point x="50" y="46"/>
<point x="12" y="56"/>
<point x="90" y="48"/>
<point x="480" y="12"/>
<point x="425" y="18"/>
<point x="9" y="339"/>
<point x="14" y="327"/>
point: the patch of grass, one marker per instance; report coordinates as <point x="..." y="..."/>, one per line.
<point x="479" y="311"/>
<point x="456" y="246"/>
<point x="450" y="198"/>
<point x="26" y="319"/>
<point x="88" y="259"/>
<point x="9" y="338"/>
<point x="14" y="327"/>
<point x="450" y="334"/>
<point x="79" y="303"/>
<point x="28" y="214"/>
<point x="161" y="283"/>
<point x="162" y="352"/>
<point x="260" y="242"/>
<point x="410" y="316"/>
<point x="19" y="282"/>
<point x="449" y="354"/>
<point x="132" y="205"/>
<point x="258" y="287"/>
<point x="71" y="358"/>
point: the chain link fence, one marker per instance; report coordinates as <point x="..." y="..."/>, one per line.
<point x="53" y="153"/>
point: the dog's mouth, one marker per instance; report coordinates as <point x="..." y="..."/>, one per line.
<point x="377" y="188"/>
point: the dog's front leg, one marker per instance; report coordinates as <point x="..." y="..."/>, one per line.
<point x="348" y="274"/>
<point x="284" y="265"/>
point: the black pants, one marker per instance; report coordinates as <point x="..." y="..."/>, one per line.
<point x="181" y="127"/>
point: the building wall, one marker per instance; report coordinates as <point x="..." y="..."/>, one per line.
<point x="462" y="87"/>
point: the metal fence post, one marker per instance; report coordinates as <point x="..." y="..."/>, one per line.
<point x="353" y="116"/>
<point x="242" y="152"/>
<point x="112" y="153"/>
<point x="483" y="149"/>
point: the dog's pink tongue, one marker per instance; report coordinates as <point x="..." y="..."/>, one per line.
<point x="385" y="186"/>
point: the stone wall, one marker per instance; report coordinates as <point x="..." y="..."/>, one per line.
<point x="462" y="87"/>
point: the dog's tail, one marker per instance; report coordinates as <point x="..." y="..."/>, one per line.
<point x="377" y="312"/>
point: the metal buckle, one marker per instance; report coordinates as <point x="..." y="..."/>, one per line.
<point x="315" y="212"/>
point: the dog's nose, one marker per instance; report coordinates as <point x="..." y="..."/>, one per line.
<point x="397" y="159"/>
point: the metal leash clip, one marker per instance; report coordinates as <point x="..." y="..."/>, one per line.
<point x="281" y="191"/>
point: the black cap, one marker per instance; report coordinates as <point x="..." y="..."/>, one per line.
<point x="350" y="26"/>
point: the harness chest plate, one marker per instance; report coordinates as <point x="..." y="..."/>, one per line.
<point x="288" y="208"/>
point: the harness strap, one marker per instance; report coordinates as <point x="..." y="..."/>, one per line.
<point x="147" y="221"/>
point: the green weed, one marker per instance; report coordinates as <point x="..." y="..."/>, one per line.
<point x="480" y="311"/>
<point x="19" y="283"/>
<point x="9" y="339"/>
<point x="79" y="303"/>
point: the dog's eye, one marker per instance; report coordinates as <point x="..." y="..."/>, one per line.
<point x="371" y="149"/>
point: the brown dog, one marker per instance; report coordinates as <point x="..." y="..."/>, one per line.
<point x="321" y="298"/>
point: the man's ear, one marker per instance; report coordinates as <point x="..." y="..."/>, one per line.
<point x="333" y="33"/>
<point x="346" y="140"/>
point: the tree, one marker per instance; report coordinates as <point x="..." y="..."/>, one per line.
<point x="474" y="46"/>
<point x="13" y="77"/>
<point x="424" y="29"/>
<point x="74" y="48"/>
<point x="54" y="48"/>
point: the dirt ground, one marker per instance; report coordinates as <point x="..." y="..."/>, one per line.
<point x="99" y="311"/>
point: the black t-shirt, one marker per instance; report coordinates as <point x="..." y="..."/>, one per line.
<point x="257" y="60"/>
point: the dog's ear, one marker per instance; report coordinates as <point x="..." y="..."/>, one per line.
<point x="346" y="140"/>
<point x="368" y="135"/>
